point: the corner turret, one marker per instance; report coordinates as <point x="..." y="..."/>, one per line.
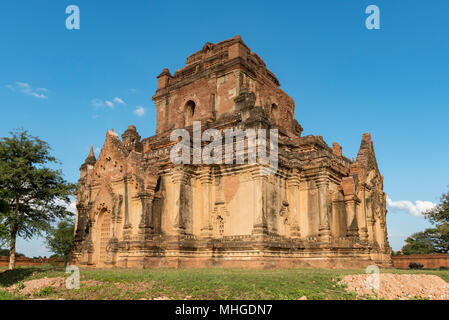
<point x="131" y="139"/>
<point x="89" y="163"/>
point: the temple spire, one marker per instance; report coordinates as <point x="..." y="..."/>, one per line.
<point x="91" y="157"/>
<point x="91" y="153"/>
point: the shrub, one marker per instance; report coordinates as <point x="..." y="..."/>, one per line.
<point x="45" y="291"/>
<point x="415" y="265"/>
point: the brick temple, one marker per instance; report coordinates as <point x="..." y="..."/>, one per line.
<point x="136" y="208"/>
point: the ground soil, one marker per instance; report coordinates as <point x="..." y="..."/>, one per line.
<point x="397" y="286"/>
<point x="215" y="283"/>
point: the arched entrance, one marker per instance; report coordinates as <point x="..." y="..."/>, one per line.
<point x="103" y="235"/>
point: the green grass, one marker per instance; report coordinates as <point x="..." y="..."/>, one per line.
<point x="7" y="296"/>
<point x="213" y="283"/>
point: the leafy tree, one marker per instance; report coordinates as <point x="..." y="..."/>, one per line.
<point x="34" y="193"/>
<point x="420" y="243"/>
<point x="433" y="240"/>
<point x="3" y="231"/>
<point x="440" y="238"/>
<point x="59" y="240"/>
<point x="439" y="214"/>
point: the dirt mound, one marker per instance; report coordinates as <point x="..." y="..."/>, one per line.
<point x="34" y="286"/>
<point x="398" y="286"/>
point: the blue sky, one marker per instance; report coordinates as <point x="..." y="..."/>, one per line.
<point x="345" y="79"/>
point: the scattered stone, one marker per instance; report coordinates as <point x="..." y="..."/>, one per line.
<point x="34" y="286"/>
<point x="29" y="288"/>
<point x="398" y="286"/>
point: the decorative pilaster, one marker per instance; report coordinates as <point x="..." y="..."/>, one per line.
<point x="178" y="179"/>
<point x="372" y="232"/>
<point x="351" y="202"/>
<point x="324" y="230"/>
<point x="364" y="227"/>
<point x="387" y="247"/>
<point x="384" y="243"/>
<point x="293" y="187"/>
<point x="260" y="222"/>
<point x="127" y="224"/>
<point x="80" y="222"/>
<point x="116" y="216"/>
<point x="146" y="218"/>
<point x="206" y="182"/>
<point x="371" y="218"/>
<point x="371" y="223"/>
<point x="89" y="244"/>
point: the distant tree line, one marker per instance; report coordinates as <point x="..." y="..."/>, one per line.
<point x="5" y="253"/>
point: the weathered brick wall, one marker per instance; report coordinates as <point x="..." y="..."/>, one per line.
<point x="23" y="262"/>
<point x="430" y="261"/>
<point x="211" y="80"/>
<point x="167" y="215"/>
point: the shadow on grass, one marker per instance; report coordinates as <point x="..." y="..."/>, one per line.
<point x="10" y="277"/>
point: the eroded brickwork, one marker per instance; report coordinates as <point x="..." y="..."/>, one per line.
<point x="135" y="208"/>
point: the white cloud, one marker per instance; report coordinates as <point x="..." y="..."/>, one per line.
<point x="97" y="103"/>
<point x="140" y="111"/>
<point x="109" y="104"/>
<point x="118" y="100"/>
<point x="70" y="206"/>
<point x="26" y="88"/>
<point x="415" y="209"/>
<point x="97" y="151"/>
